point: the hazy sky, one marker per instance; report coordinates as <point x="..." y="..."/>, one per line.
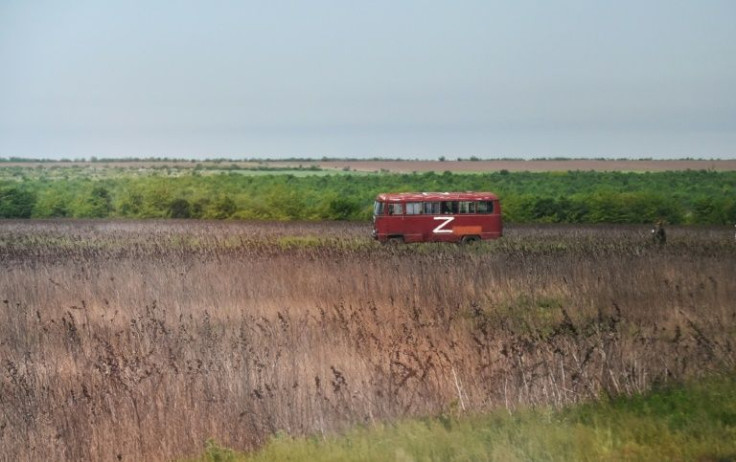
<point x="410" y="79"/>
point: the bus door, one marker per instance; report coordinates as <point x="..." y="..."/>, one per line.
<point x="429" y="211"/>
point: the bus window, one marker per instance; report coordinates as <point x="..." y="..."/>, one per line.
<point x="413" y="208"/>
<point x="467" y="207"/>
<point x="394" y="209"/>
<point x="449" y="207"/>
<point x="485" y="207"/>
<point x="378" y="208"/>
<point x="432" y="208"/>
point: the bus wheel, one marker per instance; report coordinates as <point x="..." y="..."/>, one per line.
<point x="394" y="241"/>
<point x="469" y="240"/>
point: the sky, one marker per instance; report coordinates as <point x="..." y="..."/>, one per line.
<point x="403" y="79"/>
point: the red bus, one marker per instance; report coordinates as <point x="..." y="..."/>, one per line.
<point x="437" y="217"/>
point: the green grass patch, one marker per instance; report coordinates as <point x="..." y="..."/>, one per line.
<point x="680" y="423"/>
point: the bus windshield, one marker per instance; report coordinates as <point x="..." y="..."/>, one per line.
<point x="378" y="208"/>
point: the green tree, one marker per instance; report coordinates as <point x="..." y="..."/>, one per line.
<point x="16" y="203"/>
<point x="342" y="208"/>
<point x="709" y="210"/>
<point x="54" y="202"/>
<point x="180" y="208"/>
<point x="222" y="207"/>
<point x="130" y="204"/>
<point x="97" y="203"/>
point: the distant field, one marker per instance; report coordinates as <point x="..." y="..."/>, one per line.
<point x="469" y="166"/>
<point x="408" y="166"/>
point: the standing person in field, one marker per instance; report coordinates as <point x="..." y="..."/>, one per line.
<point x="659" y="235"/>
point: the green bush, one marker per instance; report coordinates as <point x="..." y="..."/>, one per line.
<point x="16" y="202"/>
<point x="689" y="197"/>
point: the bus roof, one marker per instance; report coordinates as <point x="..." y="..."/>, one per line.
<point x="436" y="196"/>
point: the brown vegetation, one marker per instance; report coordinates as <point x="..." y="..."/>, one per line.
<point x="474" y="166"/>
<point x="140" y="340"/>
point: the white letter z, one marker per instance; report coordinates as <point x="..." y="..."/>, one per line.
<point x="441" y="228"/>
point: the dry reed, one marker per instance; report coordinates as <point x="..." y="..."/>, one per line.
<point x="140" y="340"/>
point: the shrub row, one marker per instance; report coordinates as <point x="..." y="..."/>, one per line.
<point x="688" y="197"/>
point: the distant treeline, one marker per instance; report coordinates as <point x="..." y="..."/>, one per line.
<point x="29" y="160"/>
<point x="678" y="197"/>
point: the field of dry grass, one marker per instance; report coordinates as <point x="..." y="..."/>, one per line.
<point x="140" y="340"/>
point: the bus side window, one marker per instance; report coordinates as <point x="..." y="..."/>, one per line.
<point x="413" y="208"/>
<point x="432" y="208"/>
<point x="394" y="209"/>
<point x="467" y="207"/>
<point x="449" y="207"/>
<point x="485" y="207"/>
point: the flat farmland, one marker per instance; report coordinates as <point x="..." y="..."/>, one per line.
<point x="140" y="340"/>
<point x="408" y="166"/>
<point x="476" y="166"/>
